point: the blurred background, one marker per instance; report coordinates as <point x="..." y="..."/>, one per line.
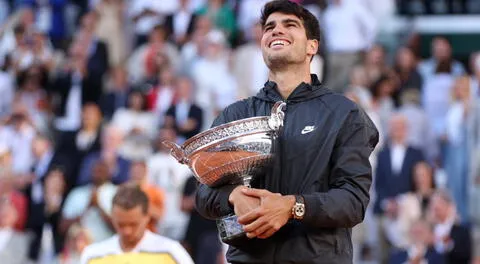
<point x="89" y="89"/>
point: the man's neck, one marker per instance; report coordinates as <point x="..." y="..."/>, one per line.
<point x="127" y="247"/>
<point x="288" y="79"/>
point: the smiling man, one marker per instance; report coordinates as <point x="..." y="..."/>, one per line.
<point x="303" y="210"/>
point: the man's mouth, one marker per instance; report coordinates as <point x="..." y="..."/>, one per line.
<point x="279" y="43"/>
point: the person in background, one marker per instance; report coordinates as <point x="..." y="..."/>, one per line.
<point x="77" y="239"/>
<point x="185" y="116"/>
<point x="156" y="197"/>
<point x="117" y="95"/>
<point x="201" y="237"/>
<point x="134" y="243"/>
<point x="441" y="52"/>
<point x="180" y="24"/>
<point x="91" y="205"/>
<point x="406" y="69"/>
<point x="111" y="141"/>
<point x="13" y="244"/>
<point x="221" y="15"/>
<point x="451" y="238"/>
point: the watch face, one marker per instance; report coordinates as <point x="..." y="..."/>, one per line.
<point x="300" y="210"/>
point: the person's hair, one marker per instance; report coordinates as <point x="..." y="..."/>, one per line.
<point x="133" y="92"/>
<point x="130" y="196"/>
<point x="310" y="22"/>
<point x="375" y="88"/>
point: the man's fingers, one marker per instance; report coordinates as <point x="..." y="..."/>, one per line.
<point x="255" y="192"/>
<point x="257" y="224"/>
<point x="250" y="217"/>
<point x="267" y="233"/>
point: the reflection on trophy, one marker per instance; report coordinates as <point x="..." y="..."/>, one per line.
<point x="232" y="153"/>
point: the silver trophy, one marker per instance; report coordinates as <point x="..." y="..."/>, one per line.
<point x="232" y="153"/>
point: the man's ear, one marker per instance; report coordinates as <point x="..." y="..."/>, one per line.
<point x="312" y="47"/>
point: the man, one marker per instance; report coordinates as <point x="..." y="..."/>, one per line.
<point x="321" y="168"/>
<point x="13" y="244"/>
<point x="156" y="196"/>
<point x="133" y="242"/>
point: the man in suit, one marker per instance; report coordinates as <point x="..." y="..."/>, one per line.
<point x="45" y="161"/>
<point x="117" y="97"/>
<point x="185" y="116"/>
<point x="13" y="244"/>
<point x="450" y="237"/>
<point x="395" y="166"/>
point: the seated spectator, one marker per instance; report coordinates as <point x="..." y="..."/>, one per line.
<point x="13" y="245"/>
<point x="77" y="239"/>
<point x="91" y="205"/>
<point x="138" y="125"/>
<point x="420" y="249"/>
<point x="16" y="198"/>
<point x="405" y="67"/>
<point x="111" y="141"/>
<point x="179" y="25"/>
<point x="382" y="101"/>
<point x="410" y="207"/>
<point x="441" y="50"/>
<point x="221" y="15"/>
<point x="138" y="174"/>
<point x="450" y="237"/>
<point x="185" y="116"/>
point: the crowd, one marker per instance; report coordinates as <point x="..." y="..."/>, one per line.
<point x="90" y="88"/>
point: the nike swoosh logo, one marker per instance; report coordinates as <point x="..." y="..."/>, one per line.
<point x="307" y="130"/>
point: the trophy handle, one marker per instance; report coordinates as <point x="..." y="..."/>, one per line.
<point x="275" y="121"/>
<point x="176" y="151"/>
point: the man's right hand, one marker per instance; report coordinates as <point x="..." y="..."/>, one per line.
<point x="242" y="204"/>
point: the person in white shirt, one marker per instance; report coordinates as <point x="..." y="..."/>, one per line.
<point x="13" y="244"/>
<point x="133" y="242"/>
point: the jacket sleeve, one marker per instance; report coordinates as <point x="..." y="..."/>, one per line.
<point x="212" y="203"/>
<point x="344" y="204"/>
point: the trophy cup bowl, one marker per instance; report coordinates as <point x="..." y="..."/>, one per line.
<point x="231" y="153"/>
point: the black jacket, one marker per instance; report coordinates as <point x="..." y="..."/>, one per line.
<point x="329" y="166"/>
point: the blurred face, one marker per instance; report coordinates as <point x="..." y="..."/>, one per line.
<point x="91" y="116"/>
<point x="420" y="232"/>
<point x="285" y="42"/>
<point x="461" y="89"/>
<point x="165" y="134"/>
<point x="120" y="79"/>
<point x="157" y="36"/>
<point x="440" y="208"/>
<point x="398" y="129"/>
<point x="423" y="177"/>
<point x="138" y="172"/>
<point x="81" y="242"/>
<point x="112" y="138"/>
<point x="129" y="224"/>
<point x="376" y="56"/>
<point x="405" y="58"/>
<point x="136" y="101"/>
<point x="39" y="146"/>
<point x="184" y="88"/>
<point x="203" y="25"/>
<point x="441" y="49"/>
<point x="167" y="76"/>
<point x="100" y="173"/>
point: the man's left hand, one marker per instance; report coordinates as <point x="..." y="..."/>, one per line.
<point x="273" y="213"/>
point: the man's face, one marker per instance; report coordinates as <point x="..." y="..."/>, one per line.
<point x="440" y="208"/>
<point x="441" y="49"/>
<point x="138" y="172"/>
<point x="129" y="224"/>
<point x="284" y="41"/>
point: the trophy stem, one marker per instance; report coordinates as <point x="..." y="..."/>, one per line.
<point x="246" y="180"/>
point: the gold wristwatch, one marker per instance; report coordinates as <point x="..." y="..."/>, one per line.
<point x="298" y="209"/>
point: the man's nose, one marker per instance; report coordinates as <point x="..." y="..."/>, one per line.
<point x="278" y="30"/>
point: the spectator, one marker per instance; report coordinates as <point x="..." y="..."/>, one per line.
<point x="138" y="126"/>
<point x="43" y="211"/>
<point x="221" y="15"/>
<point x="201" y="237"/>
<point x="16" y="198"/>
<point x="91" y="205"/>
<point x="405" y="67"/>
<point x="346" y="38"/>
<point x="116" y="97"/>
<point x="118" y="167"/>
<point x="457" y="153"/>
<point x="195" y="47"/>
<point x="13" y="245"/>
<point x="450" y="237"/>
<point x="166" y="173"/>
<point x="179" y="25"/>
<point x="145" y="15"/>
<point x="248" y="65"/>
<point x="111" y="29"/>
<point x="7" y="89"/>
<point x="185" y="116"/>
<point x="382" y="102"/>
<point x="375" y="64"/>
<point x="420" y="133"/>
<point x="216" y="86"/>
<point x="138" y="174"/>
<point x="77" y="239"/>
<point x="76" y="145"/>
<point x="441" y="52"/>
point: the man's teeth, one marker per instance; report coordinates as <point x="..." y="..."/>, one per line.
<point x="279" y="42"/>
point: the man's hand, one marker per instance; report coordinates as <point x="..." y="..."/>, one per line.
<point x="242" y="203"/>
<point x="273" y="213"/>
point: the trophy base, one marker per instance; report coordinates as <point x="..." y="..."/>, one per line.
<point x="230" y="230"/>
